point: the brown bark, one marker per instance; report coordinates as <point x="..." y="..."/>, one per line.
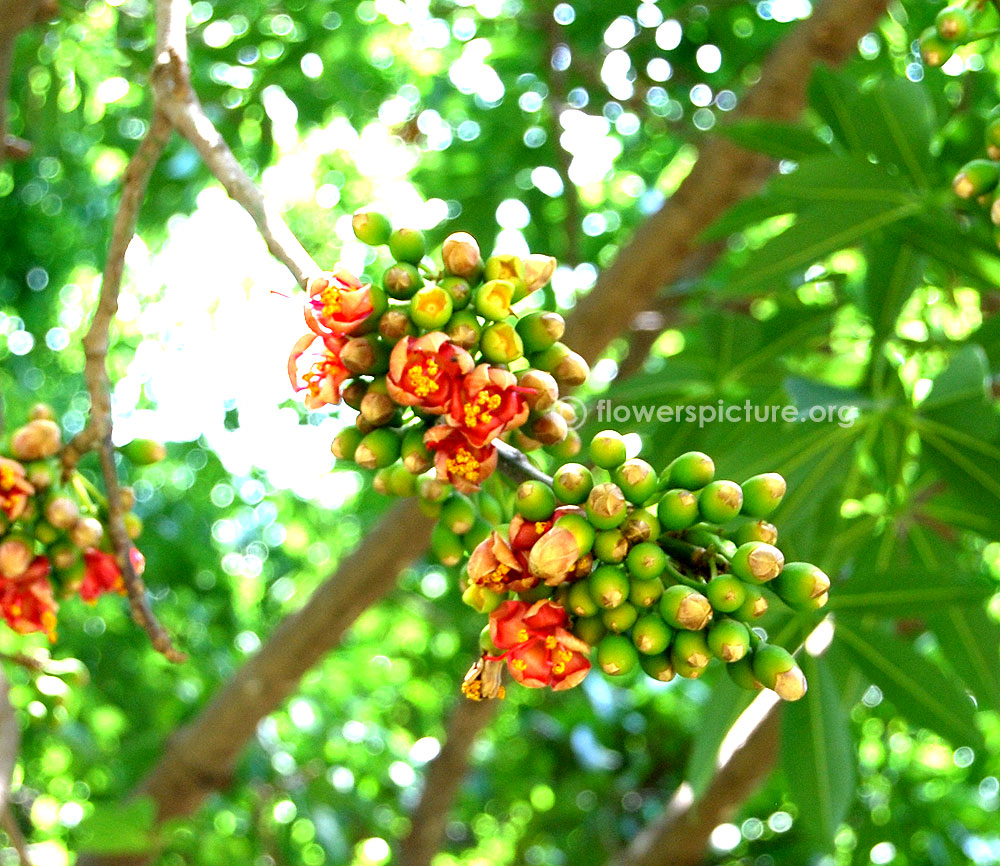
<point x="723" y="174"/>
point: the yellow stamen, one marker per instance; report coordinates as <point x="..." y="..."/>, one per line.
<point x="520" y="664"/>
<point x="480" y="410"/>
<point x="464" y="465"/>
<point x="551" y="642"/>
<point x="421" y="380"/>
<point x="522" y="635"/>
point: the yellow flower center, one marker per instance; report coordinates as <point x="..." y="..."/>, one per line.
<point x="317" y="373"/>
<point x="522" y="635"/>
<point x="499" y="574"/>
<point x="330" y="301"/>
<point x="422" y="378"/>
<point x="558" y="668"/>
<point x="520" y="664"/>
<point x="464" y="465"/>
<point x="480" y="411"/>
<point x="551" y="642"/>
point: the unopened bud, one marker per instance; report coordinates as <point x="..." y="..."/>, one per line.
<point x="683" y="607"/>
<point x="393" y="325"/>
<point x="757" y="562"/>
<point x="377" y="409"/>
<point x="554" y="556"/>
<point x="538" y="270"/>
<point x="461" y="256"/>
<point x="86" y="532"/>
<point x="606" y="506"/>
<point x="144" y="452"/>
<point x="354" y="392"/>
<point x="42" y="412"/>
<point x="36" y="440"/>
<point x="543" y="389"/>
<point x="16" y="555"/>
<point x="366" y="354"/>
<point x="62" y="512"/>
<point x="549" y="428"/>
<point x="572" y="370"/>
<point x="540" y="330"/>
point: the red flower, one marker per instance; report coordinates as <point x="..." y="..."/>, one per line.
<point x="488" y="402"/>
<point x="458" y="462"/>
<point x="425" y="371"/>
<point x="496" y="567"/>
<point x="337" y="303"/>
<point x="103" y="575"/>
<point x="314" y="365"/>
<point x="26" y="602"/>
<point x="540" y="650"/>
<point x="14" y="488"/>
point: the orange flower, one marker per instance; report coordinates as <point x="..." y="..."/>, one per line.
<point x="314" y="365"/>
<point x="458" y="462"/>
<point x="496" y="567"/>
<point x="26" y="602"/>
<point x="337" y="303"/>
<point x="14" y="488"/>
<point x="103" y="575"/>
<point x="540" y="650"/>
<point x="425" y="371"/>
<point x="487" y="403"/>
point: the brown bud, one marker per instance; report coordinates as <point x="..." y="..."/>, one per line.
<point x="36" y="440"/>
<point x="606" y="500"/>
<point x="524" y="442"/>
<point x="62" y="512"/>
<point x="538" y="270"/>
<point x="354" y="392"/>
<point x="567" y="412"/>
<point x="64" y="557"/>
<point x="584" y="565"/>
<point x="572" y="371"/>
<point x="461" y="255"/>
<point x="549" y="428"/>
<point x="358" y="355"/>
<point x="127" y="498"/>
<point x="363" y="424"/>
<point x="694" y="612"/>
<point x="544" y="386"/>
<point x="416" y="462"/>
<point x="377" y="409"/>
<point x="86" y="532"/>
<point x="15" y="557"/>
<point x="395" y="324"/>
<point x="791" y="685"/>
<point x="554" y="556"/>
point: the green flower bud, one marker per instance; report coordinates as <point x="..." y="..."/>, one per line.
<point x="461" y="256"/>
<point x="933" y="49"/>
<point x="590" y="629"/>
<point x="685" y="608"/>
<point x="493" y="299"/>
<point x="701" y="535"/>
<point x="754" y="604"/>
<point x="726" y="593"/>
<point x="500" y="343"/>
<point x="741" y="673"/>
<point x="572" y="371"/>
<point x="993" y="133"/>
<point x="569" y="448"/>
<point x="757" y="562"/>
<point x="459" y="290"/>
<point x="490" y="508"/>
<point x="481" y="530"/>
<point x="482" y="600"/>
<point x="380" y="304"/>
<point x="617" y="655"/>
<point x="645" y="593"/>
<point x="755" y="530"/>
<point x="538" y="271"/>
<point x="689" y="649"/>
<point x="775" y="668"/>
<point x="610" y="546"/>
<point x="416" y="456"/>
<point x="401" y="280"/>
<point x="446" y="545"/>
<point x="549" y="359"/>
<point x="762" y="494"/>
<point x="728" y="639"/>
<point x="801" y="583"/>
<point x="371" y="228"/>
<point x="464" y="329"/>
<point x="509" y="269"/>
<point x="354" y="392"/>
<point x="690" y="471"/>
<point x="430" y="308"/>
<point x="607" y="449"/>
<point x="621" y="618"/>
<point x="534" y="500"/>
<point x="401" y="482"/>
<point x="407" y="245"/>
<point x="606" y="506"/>
<point x="646" y="560"/>
<point x="544" y="389"/>
<point x="346" y="442"/>
<point x="608" y="586"/>
<point x="581" y="529"/>
<point x="953" y="24"/>
<point x="144" y="452"/>
<point x="378" y="449"/>
<point x="366" y="355"/>
<point x="637" y="480"/>
<point x="651" y="635"/>
<point x="580" y="602"/>
<point x="458" y="513"/>
<point x="540" y="330"/>
<point x="976" y="178"/>
<point x="641" y="525"/>
<point x="45" y="533"/>
<point x="720" y="501"/>
<point x="677" y="509"/>
<point x="536" y="593"/>
<point x="572" y="483"/>
<point x="658" y="667"/>
<point x="377" y="409"/>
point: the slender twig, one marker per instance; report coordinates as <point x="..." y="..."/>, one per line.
<point x="516" y="466"/>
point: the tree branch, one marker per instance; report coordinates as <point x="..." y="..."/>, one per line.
<point x="680" y="835"/>
<point x="10" y="747"/>
<point x="444" y="777"/>
<point x="723" y="174"/>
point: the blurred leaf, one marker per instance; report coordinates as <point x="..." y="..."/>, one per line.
<point x="918" y="689"/>
<point x="780" y="140"/>
<point x="817" y="754"/>
<point x="894" y="271"/>
<point x="970" y="641"/>
<point x="126" y="828"/>
<point x="907" y="591"/>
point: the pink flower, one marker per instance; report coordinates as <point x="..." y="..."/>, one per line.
<point x="337" y="303"/>
<point x="314" y="365"/>
<point x="456" y="461"/>
<point x="487" y="403"/>
<point x="425" y="371"/>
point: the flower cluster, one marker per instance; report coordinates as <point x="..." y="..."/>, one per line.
<point x="436" y="359"/>
<point x="53" y="542"/>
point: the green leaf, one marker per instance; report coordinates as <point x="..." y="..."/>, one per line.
<point x="970" y="641"/>
<point x="894" y="270"/>
<point x="937" y="234"/>
<point x="918" y="689"/>
<point x="724" y="707"/>
<point x="830" y="96"/>
<point x="818" y="232"/>
<point x="907" y="591"/>
<point x="895" y="122"/>
<point x="817" y="754"/>
<point x="780" y="140"/>
<point x="745" y="213"/>
<point x="120" y="828"/>
<point x="841" y="179"/>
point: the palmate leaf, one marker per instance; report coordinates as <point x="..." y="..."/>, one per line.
<point x="909" y="591"/>
<point x="894" y="270"/>
<point x="970" y="641"/>
<point x="917" y="688"/>
<point x="817" y="754"/>
<point x="780" y="140"/>
<point x="939" y="235"/>
<point x="830" y="96"/>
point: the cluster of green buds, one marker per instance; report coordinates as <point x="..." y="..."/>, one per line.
<point x="53" y="536"/>
<point x="953" y="26"/>
<point x="662" y="571"/>
<point x="979" y="179"/>
<point x="440" y="356"/>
